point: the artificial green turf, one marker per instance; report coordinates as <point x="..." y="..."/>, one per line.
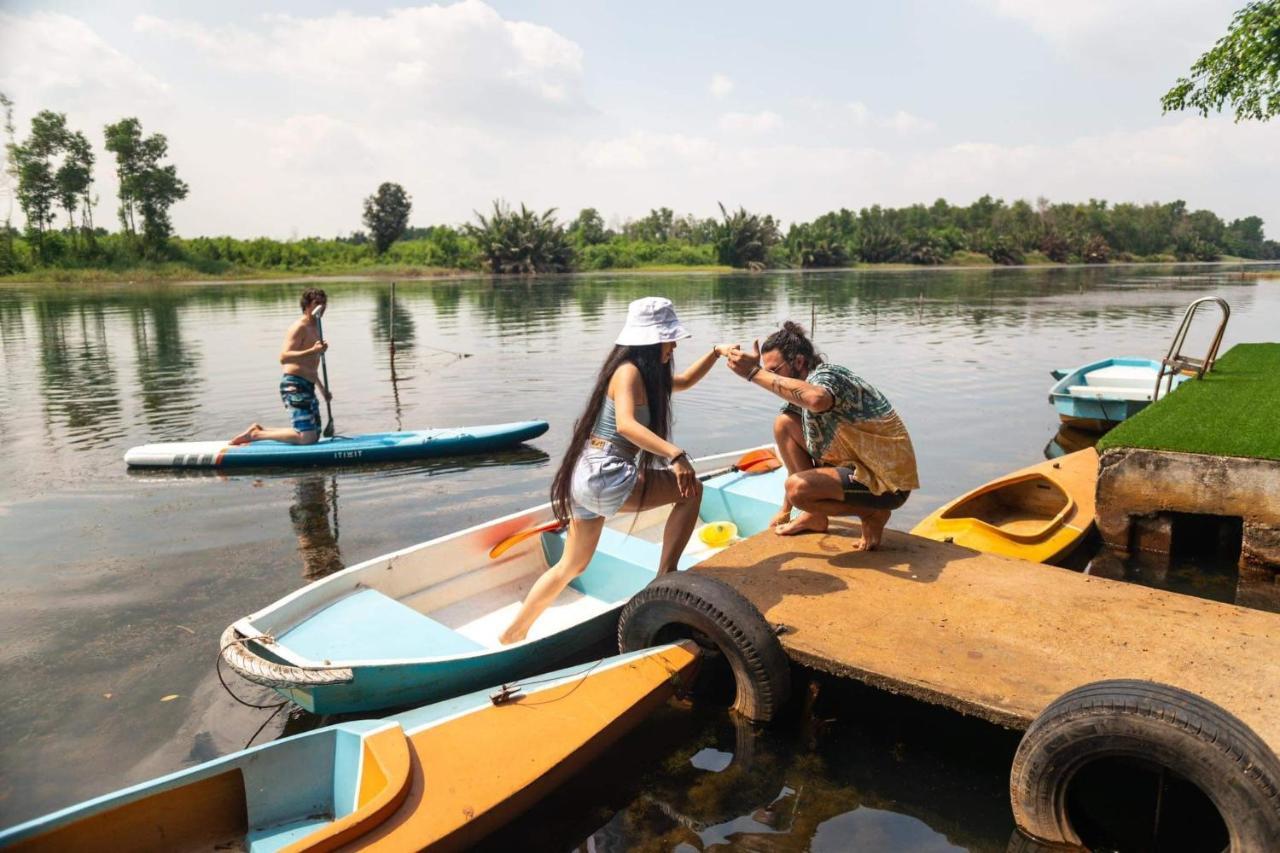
<point x="1233" y="411"/>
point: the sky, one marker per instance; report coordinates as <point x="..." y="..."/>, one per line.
<point x="282" y="117"/>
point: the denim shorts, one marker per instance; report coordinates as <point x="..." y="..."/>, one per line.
<point x="602" y="481"/>
<point x="299" y="397"/>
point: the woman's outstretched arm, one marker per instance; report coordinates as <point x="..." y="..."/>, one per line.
<point x="692" y="374"/>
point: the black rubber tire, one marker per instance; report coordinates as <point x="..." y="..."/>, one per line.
<point x="676" y="602"/>
<point x="1155" y="723"/>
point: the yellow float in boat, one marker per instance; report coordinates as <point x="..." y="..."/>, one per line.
<point x="1038" y="513"/>
<point x="718" y="534"/>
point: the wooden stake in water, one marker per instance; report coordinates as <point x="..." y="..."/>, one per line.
<point x="391" y="334"/>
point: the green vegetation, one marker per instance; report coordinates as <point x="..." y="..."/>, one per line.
<point x="147" y="189"/>
<point x="52" y="172"/>
<point x="523" y="242"/>
<point x="1230" y="412"/>
<point x="386" y="215"/>
<point x="1242" y="69"/>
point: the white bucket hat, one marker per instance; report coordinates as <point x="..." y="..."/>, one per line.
<point x="651" y="320"/>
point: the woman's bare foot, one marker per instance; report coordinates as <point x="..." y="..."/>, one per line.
<point x="805" y="522"/>
<point x="248" y="435"/>
<point x="511" y="635"/>
<point x="873" y="524"/>
<point x="781" y="517"/>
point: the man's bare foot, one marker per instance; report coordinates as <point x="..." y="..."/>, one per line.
<point x="248" y="435"/>
<point x="781" y="517"/>
<point x="805" y="522"/>
<point x="873" y="524"/>
<point x="511" y="635"/>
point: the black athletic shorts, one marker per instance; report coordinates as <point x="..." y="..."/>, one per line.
<point x="856" y="493"/>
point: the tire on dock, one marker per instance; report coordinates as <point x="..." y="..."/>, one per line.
<point x="1178" y="730"/>
<point x="686" y="604"/>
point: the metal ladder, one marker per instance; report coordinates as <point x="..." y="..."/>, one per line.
<point x="1175" y="363"/>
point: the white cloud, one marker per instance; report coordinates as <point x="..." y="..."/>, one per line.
<point x="761" y="122"/>
<point x="642" y="150"/>
<point x="904" y="122"/>
<point x="1133" y="34"/>
<point x="721" y="85"/>
<point x="54" y="61"/>
<point x="861" y="116"/>
<point x="463" y="59"/>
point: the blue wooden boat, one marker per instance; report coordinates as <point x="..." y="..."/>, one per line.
<point x="339" y="450"/>
<point x="435" y="778"/>
<point x="422" y="624"/>
<point x="1098" y="395"/>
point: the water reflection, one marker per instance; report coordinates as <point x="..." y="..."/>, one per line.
<point x="851" y="770"/>
<point x="168" y="370"/>
<point x="1068" y="439"/>
<point x="315" y="502"/>
<point x="79" y="381"/>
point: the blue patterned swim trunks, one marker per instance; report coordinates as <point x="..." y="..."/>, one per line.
<point x="299" y="397"/>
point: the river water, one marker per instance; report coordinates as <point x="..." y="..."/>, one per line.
<point x="117" y="584"/>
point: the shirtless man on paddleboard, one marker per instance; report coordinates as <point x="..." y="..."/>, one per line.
<point x="300" y="356"/>
<point x="847" y="452"/>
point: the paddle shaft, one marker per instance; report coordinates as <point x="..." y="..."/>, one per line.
<point x="324" y="374"/>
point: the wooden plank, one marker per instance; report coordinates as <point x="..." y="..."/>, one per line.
<point x="993" y="636"/>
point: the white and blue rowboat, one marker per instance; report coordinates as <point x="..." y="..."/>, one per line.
<point x="339" y="450"/>
<point x="422" y="624"/>
<point x="1101" y="394"/>
<point x="435" y="778"/>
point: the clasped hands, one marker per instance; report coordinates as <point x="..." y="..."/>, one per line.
<point x="740" y="362"/>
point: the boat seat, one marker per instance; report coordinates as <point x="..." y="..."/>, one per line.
<point x="748" y="500"/>
<point x="621" y="567"/>
<point x="1121" y="376"/>
<point x="368" y="625"/>
<point x="1112" y="392"/>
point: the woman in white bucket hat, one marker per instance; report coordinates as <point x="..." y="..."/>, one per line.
<point x="619" y="442"/>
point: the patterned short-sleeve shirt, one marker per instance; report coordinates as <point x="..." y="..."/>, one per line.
<point x="861" y="431"/>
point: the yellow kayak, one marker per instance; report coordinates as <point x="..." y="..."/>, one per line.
<point x="1038" y="513"/>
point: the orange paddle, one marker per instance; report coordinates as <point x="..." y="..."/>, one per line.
<point x="515" y="539"/>
<point x="758" y="462"/>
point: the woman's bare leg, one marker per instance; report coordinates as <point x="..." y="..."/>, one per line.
<point x="662" y="490"/>
<point x="579" y="547"/>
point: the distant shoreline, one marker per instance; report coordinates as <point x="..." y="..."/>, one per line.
<point x="172" y="274"/>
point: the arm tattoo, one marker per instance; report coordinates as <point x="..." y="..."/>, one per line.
<point x="796" y="393"/>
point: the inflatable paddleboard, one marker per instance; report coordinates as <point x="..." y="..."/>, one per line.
<point x="339" y="450"/>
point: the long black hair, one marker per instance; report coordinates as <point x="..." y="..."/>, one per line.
<point x="791" y="341"/>
<point x="657" y="378"/>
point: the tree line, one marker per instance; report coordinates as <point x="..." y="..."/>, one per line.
<point x="52" y="168"/>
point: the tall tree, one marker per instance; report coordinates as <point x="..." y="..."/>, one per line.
<point x="8" y="259"/>
<point x="75" y="180"/>
<point x="386" y="215"/>
<point x="147" y="189"/>
<point x="33" y="163"/>
<point x="1242" y="69"/>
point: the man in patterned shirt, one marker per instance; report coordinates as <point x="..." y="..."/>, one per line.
<point x="845" y="448"/>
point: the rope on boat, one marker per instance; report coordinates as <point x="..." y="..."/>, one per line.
<point x="217" y="668"/>
<point x="254" y="668"/>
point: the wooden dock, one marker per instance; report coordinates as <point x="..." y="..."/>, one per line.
<point x="996" y="637"/>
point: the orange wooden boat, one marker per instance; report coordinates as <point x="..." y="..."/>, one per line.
<point x="437" y="778"/>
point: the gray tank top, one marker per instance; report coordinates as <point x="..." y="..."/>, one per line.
<point x="606" y="425"/>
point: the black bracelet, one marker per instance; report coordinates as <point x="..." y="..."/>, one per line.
<point x="751" y="374"/>
<point x="674" y="459"/>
